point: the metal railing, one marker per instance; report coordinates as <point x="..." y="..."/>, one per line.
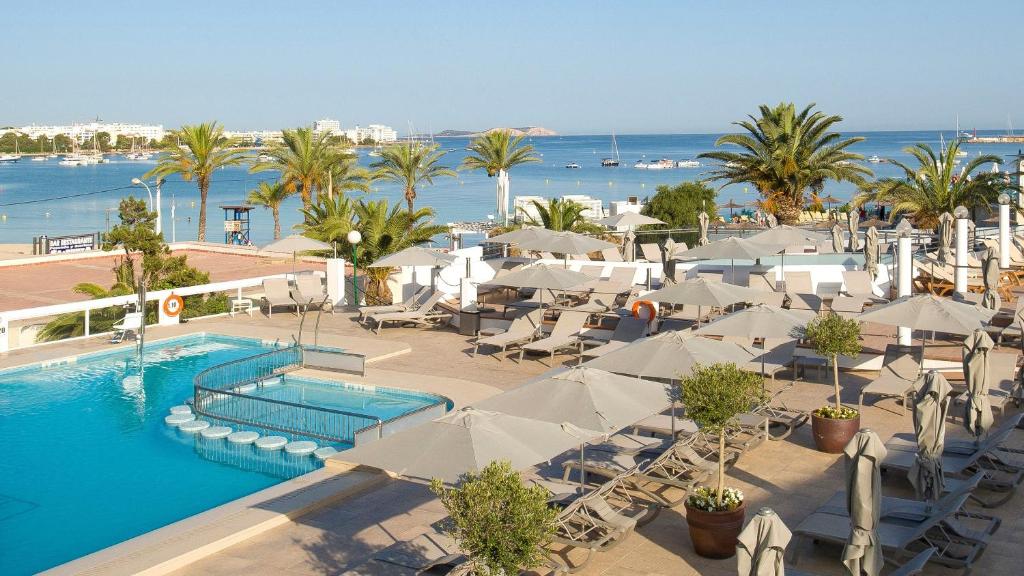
<point x="219" y="394"/>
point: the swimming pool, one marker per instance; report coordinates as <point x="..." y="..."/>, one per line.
<point x="89" y="462"/>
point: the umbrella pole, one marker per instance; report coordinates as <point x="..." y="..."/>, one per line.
<point x="583" y="472"/>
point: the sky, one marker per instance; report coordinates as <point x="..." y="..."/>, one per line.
<point x="575" y="67"/>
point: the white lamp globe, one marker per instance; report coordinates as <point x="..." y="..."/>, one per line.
<point x="354" y="237"/>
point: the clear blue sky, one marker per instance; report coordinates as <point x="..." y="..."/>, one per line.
<point x="576" y="67"/>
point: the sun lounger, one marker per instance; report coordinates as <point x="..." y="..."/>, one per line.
<point x="524" y="328"/>
<point x="859" y="283"/>
<point x="431" y="552"/>
<point x="277" y="292"/>
<point x="912" y="567"/>
<point x="901" y="367"/>
<point x="576" y="528"/>
<point x="776" y="356"/>
<point x="626" y="331"/>
<point x="310" y="291"/>
<point x="611" y="255"/>
<point x="651" y="252"/>
<point x="620" y="280"/>
<point x="564" y="335"/>
<point x="897" y="540"/>
<point x="801" y="292"/>
<point x="763" y="282"/>
<point x="131" y="323"/>
<point x="427" y="313"/>
<point x="848" y="306"/>
<point x="411" y="303"/>
<point x="613" y="501"/>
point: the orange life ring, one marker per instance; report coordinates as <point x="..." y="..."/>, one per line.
<point x="652" y="312"/>
<point x="173" y="305"/>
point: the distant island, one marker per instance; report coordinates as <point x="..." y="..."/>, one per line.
<point x="524" y="131"/>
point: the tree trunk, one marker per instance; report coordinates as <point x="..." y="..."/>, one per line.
<point x="277" y="222"/>
<point x="721" y="466"/>
<point x="204" y="188"/>
<point x="835" y="379"/>
<point x="787" y="211"/>
<point x="410" y="197"/>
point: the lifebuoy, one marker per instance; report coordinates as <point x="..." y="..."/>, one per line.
<point x="652" y="312"/>
<point x="173" y="305"/>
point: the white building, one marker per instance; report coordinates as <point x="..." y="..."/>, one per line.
<point x="83" y="132"/>
<point x="375" y="132"/>
<point x="327" y="125"/>
<point x="252" y="137"/>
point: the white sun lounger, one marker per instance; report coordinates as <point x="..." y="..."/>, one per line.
<point x="564" y="335"/>
<point x="411" y="303"/>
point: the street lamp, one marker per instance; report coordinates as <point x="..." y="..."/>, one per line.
<point x="137" y="182"/>
<point x="353" y="238"/>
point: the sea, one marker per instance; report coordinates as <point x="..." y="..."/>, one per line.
<point x="45" y="198"/>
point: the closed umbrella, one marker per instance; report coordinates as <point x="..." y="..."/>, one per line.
<point x="852" y="224"/>
<point x="668" y="261"/>
<point x="837" y="239"/>
<point x="629" y="219"/>
<point x="466" y="441"/>
<point x="669" y="355"/>
<point x="703" y="220"/>
<point x="772" y="221"/>
<point x="945" y="254"/>
<point x="863" y="551"/>
<point x="977" y="409"/>
<point x="629" y="246"/>
<point x="931" y="403"/>
<point x="871" y="252"/>
<point x="761" y="546"/>
<point x="990" y="276"/>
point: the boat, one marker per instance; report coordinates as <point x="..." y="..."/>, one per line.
<point x="874" y="159"/>
<point x="74" y="159"/>
<point x="688" y="164"/>
<point x="264" y="158"/>
<point x="572" y="165"/>
<point x="612" y="162"/>
<point x="663" y="164"/>
<point x="9" y="158"/>
<point x="39" y="158"/>
<point x="641" y="164"/>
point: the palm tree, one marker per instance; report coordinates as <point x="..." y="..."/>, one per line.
<point x="786" y="154"/>
<point x="203" y="149"/>
<point x="271" y="195"/>
<point x="386" y="230"/>
<point x="497" y="152"/>
<point x="411" y="165"/>
<point x="345" y="175"/>
<point x="329" y="219"/>
<point x="73" y="324"/>
<point x="561" y="216"/>
<point x="935" y="185"/>
<point x="304" y="159"/>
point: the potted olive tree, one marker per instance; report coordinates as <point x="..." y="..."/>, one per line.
<point x="834" y="425"/>
<point x="713" y="396"/>
<point x="498" y="522"/>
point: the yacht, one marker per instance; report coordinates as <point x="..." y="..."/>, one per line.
<point x="74" y="159"/>
<point x="9" y="158"/>
<point x="39" y="158"/>
<point x="663" y="164"/>
<point x="641" y="164"/>
<point x="688" y="164"/>
<point x="874" y="159"/>
<point x="573" y="165"/>
<point x="612" y="162"/>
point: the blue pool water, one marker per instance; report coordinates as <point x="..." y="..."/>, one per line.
<point x="88" y="460"/>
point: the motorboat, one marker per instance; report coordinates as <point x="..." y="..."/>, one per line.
<point x="9" y="158"/>
<point x="572" y="165"/>
<point x="688" y="164"/>
<point x="663" y="164"/>
<point x="39" y="158"/>
<point x="875" y="159"/>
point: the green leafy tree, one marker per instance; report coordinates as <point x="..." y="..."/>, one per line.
<point x="43" y="143"/>
<point x="680" y="206"/>
<point x="103" y="141"/>
<point x="135" y="235"/>
<point x="714" y="395"/>
<point x="304" y="159"/>
<point x="203" y="150"/>
<point x="562" y="216"/>
<point x="498" y="152"/>
<point x="936" y="185"/>
<point x="499" y="522"/>
<point x="329" y="220"/>
<point x="63" y="142"/>
<point x="270" y="195"/>
<point x="386" y="230"/>
<point x="786" y="154"/>
<point x="834" y="336"/>
<point x="410" y="166"/>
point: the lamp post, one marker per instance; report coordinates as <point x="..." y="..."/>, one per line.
<point x="137" y="182"/>
<point x="353" y="238"/>
<point x="1004" y="230"/>
<point x="960" y="279"/>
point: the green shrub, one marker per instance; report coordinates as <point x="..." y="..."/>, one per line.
<point x="832" y="336"/>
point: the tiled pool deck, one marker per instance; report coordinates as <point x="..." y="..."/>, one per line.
<point x="790" y="476"/>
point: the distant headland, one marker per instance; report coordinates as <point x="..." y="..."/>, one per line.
<point x="524" y="131"/>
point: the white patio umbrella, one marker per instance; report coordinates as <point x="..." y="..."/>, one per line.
<point x="465" y="441"/>
<point x="628" y="219"/>
<point x="416" y="256"/>
<point x="977" y="409"/>
<point x="931" y="404"/>
<point x="542" y="277"/>
<point x="669" y="355"/>
<point x="732" y="248"/>
<point x="929" y="313"/>
<point x="585" y="397"/>
<point x="293" y="244"/>
<point x="784" y="235"/>
<point x="863" y="456"/>
<point x="761" y="546"/>
<point x="567" y="243"/>
<point x="518" y="235"/>
<point x="701" y="292"/>
<point x="761" y="321"/>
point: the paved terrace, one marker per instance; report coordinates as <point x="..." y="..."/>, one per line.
<point x="789" y="476"/>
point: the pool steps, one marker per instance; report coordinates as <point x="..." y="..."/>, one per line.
<point x="183" y="419"/>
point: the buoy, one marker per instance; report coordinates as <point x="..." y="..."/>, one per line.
<point x="181" y="409"/>
<point x="194" y="426"/>
<point x="324" y="453"/>
<point x="243" y="437"/>
<point x="179" y="419"/>
<point x="271" y="442"/>
<point x="216" y="432"/>
<point x="300" y="447"/>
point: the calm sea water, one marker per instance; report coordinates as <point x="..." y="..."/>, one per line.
<point x="468" y="197"/>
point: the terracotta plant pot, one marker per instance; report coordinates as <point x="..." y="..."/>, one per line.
<point x="832" y="435"/>
<point x="714" y="534"/>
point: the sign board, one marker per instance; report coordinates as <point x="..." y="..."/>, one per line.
<point x="67" y="244"/>
<point x="232" y="225"/>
